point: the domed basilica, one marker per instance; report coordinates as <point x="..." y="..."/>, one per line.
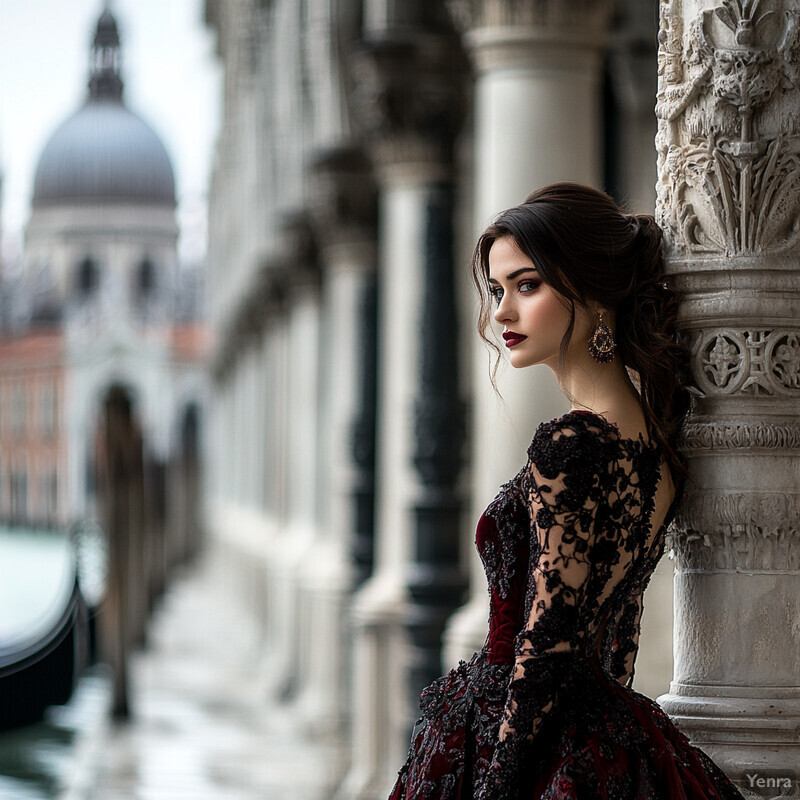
<point x="101" y="302"/>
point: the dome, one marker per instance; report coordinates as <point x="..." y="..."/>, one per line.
<point x="104" y="153"/>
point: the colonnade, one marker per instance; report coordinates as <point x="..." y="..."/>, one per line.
<point x="356" y="437"/>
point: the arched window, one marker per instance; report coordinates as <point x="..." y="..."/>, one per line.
<point x="87" y="278"/>
<point x="145" y="280"/>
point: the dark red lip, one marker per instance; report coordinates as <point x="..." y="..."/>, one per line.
<point x="513" y="338"/>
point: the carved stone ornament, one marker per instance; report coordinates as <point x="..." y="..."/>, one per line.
<point x="727" y="361"/>
<point x="410" y="97"/>
<point x="741" y="435"/>
<point x="344" y="198"/>
<point x="741" y="531"/>
<point x="568" y="14"/>
<point x="729" y="126"/>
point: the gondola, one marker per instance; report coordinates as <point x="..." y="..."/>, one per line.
<point x="42" y="667"/>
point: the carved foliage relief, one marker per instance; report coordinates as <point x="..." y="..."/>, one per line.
<point x="756" y="362"/>
<point x="744" y="531"/>
<point x="729" y="126"/>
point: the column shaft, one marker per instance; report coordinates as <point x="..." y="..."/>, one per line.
<point x="409" y="94"/>
<point x="729" y="122"/>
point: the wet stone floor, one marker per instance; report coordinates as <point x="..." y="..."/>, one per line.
<point x="202" y="728"/>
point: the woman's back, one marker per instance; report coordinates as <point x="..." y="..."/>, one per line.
<point x="545" y="708"/>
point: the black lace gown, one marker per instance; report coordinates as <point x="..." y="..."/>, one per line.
<point x="568" y="550"/>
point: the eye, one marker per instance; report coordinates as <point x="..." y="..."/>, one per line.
<point x="496" y="293"/>
<point x="528" y="286"/>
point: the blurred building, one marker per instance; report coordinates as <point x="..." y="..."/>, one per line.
<point x="100" y="301"/>
<point x="365" y="144"/>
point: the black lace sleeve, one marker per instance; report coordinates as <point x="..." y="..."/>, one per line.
<point x="625" y="638"/>
<point x="564" y="490"/>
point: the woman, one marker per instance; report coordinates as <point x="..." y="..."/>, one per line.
<point x="545" y="709"/>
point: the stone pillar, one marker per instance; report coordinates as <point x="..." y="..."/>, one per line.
<point x="537" y="120"/>
<point x="729" y="201"/>
<point x="343" y="213"/>
<point x="300" y="276"/>
<point x="409" y="97"/>
<point x="436" y="579"/>
<point x="270" y="592"/>
<point x="261" y="410"/>
<point x="275" y="397"/>
<point x="237" y="424"/>
<point x="362" y="443"/>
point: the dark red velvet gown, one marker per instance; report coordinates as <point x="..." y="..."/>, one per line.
<point x="568" y="550"/>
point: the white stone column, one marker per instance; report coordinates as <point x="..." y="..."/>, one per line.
<point x="729" y="202"/>
<point x="275" y="443"/>
<point x="229" y="414"/>
<point x="409" y="89"/>
<point x="248" y="426"/>
<point x="261" y="411"/>
<point x="273" y="594"/>
<point x="537" y="120"/>
<point x="344" y="214"/>
<point x="295" y="551"/>
<point x="380" y="734"/>
<point x="238" y="438"/>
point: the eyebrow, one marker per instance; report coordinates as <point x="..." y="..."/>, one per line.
<point x="515" y="274"/>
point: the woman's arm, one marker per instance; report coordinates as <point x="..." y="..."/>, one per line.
<point x="564" y="488"/>
<point x="625" y="642"/>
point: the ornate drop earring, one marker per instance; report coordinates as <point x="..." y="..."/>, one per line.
<point x="601" y="343"/>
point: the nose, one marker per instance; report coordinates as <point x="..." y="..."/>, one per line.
<point x="505" y="310"/>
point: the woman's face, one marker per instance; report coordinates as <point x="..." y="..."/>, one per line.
<point x="533" y="315"/>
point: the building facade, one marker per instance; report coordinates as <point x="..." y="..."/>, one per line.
<point x="31" y="437"/>
<point x="365" y="144"/>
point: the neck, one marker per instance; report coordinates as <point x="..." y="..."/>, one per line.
<point x="601" y="388"/>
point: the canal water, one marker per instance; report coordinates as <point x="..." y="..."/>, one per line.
<point x="36" y="577"/>
<point x="48" y="761"/>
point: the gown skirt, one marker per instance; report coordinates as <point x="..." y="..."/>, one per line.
<point x="602" y="741"/>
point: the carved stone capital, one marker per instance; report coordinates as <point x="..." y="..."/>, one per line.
<point x="738" y="531"/>
<point x="343" y="198"/>
<point x="731" y="361"/>
<point x="297" y="251"/>
<point x="262" y="304"/>
<point x="505" y="33"/>
<point x="729" y="127"/>
<point x="545" y="14"/>
<point x="410" y="97"/>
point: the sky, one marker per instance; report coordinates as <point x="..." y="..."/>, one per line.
<point x="172" y="80"/>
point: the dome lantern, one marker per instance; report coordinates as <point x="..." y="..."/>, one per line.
<point x="105" y="79"/>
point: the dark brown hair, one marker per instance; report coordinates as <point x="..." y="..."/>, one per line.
<point x="587" y="249"/>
